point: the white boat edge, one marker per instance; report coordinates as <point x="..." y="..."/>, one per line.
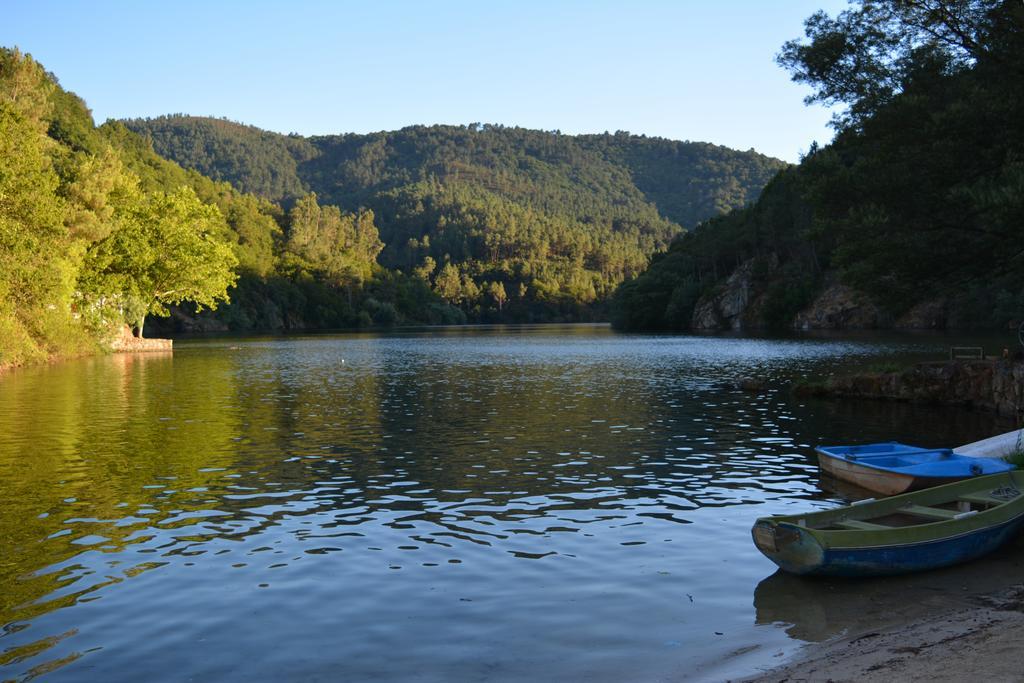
<point x="998" y="446"/>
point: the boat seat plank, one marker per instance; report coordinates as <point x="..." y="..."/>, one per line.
<point x="929" y="512"/>
<point x="860" y="526"/>
<point x="980" y="499"/>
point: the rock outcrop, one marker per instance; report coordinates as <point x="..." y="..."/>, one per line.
<point x="742" y="301"/>
<point x="734" y="305"/>
<point x="927" y="315"/>
<point x="839" y="307"/>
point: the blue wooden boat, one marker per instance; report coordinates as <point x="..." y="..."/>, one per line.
<point x="910" y="532"/>
<point x="891" y="468"/>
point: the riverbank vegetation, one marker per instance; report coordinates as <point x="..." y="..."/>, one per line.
<point x="84" y="246"/>
<point x="98" y="232"/>
<point x="917" y="205"/>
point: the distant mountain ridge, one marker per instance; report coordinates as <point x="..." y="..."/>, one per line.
<point x="686" y="181"/>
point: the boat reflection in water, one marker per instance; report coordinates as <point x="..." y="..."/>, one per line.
<point x="849" y="492"/>
<point x="815" y="609"/>
<point x="810" y="610"/>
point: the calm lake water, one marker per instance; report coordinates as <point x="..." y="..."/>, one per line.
<point x="496" y="504"/>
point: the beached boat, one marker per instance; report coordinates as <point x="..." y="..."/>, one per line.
<point x="999" y="446"/>
<point x="914" y="531"/>
<point x="891" y="468"/>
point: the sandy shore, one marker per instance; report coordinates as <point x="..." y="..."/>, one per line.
<point x="978" y="642"/>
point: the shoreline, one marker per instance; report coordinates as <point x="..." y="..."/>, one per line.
<point x="136" y="345"/>
<point x="992" y="384"/>
<point x="52" y="359"/>
<point x="979" y="641"/>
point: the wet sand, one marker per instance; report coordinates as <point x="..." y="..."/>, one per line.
<point x="980" y="642"/>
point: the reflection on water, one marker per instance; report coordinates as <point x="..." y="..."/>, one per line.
<point x="814" y="609"/>
<point x="845" y="490"/>
<point x="494" y="504"/>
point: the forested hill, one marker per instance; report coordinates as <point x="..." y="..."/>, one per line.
<point x="547" y="223"/>
<point x="427" y="225"/>
<point x="579" y="175"/>
<point x="912" y="217"/>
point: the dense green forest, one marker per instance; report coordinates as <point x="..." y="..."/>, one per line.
<point x="505" y="223"/>
<point x="100" y="234"/>
<point x="85" y="245"/>
<point x="578" y="175"/>
<point x="917" y="205"/>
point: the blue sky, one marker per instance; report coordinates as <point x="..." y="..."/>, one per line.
<point x="680" y="69"/>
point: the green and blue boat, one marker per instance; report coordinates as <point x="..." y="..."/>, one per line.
<point x="911" y="532"/>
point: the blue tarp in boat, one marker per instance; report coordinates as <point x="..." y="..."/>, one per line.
<point x="893" y="456"/>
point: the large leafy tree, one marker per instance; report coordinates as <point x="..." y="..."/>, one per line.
<point x="167" y="248"/>
<point x="343" y="247"/>
<point x="929" y="157"/>
<point x="335" y="249"/>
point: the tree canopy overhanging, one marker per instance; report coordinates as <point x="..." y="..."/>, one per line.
<point x="919" y="199"/>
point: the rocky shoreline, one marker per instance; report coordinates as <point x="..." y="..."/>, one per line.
<point x="993" y="385"/>
<point x="742" y="300"/>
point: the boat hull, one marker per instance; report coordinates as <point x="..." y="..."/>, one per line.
<point x="911" y="532"/>
<point x="999" y="446"/>
<point x="893" y="468"/>
<point x="808" y="557"/>
<point x="875" y="480"/>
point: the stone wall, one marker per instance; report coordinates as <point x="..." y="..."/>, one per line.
<point x="127" y="343"/>
<point x="995" y="385"/>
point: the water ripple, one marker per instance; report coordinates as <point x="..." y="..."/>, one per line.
<point x="495" y="505"/>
